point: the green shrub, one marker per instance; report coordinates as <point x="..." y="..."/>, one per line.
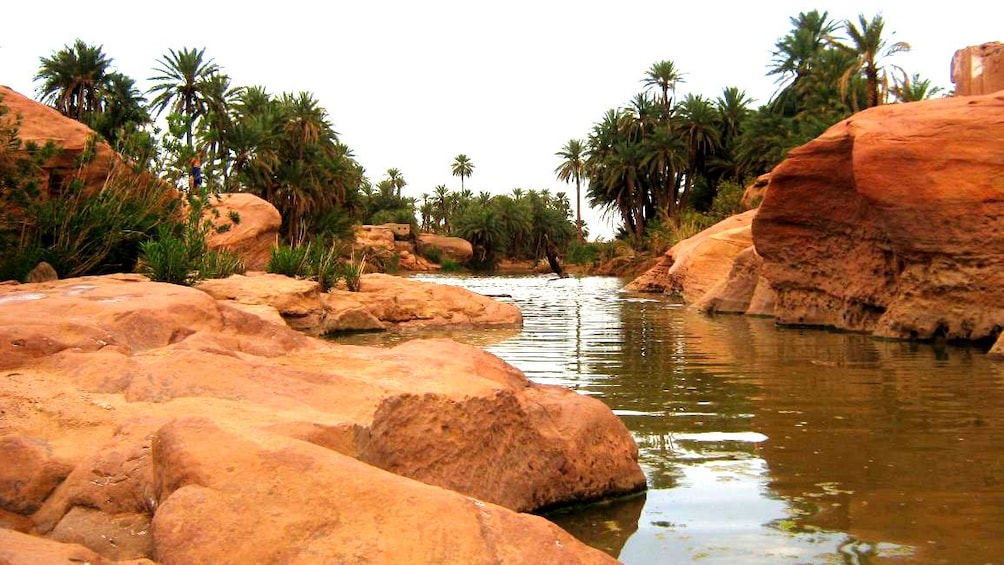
<point x="583" y="253"/>
<point x="728" y="201"/>
<point x="450" y="266"/>
<point x="289" y="261"/>
<point x="220" y="264"/>
<point x="352" y="272"/>
<point x="19" y="262"/>
<point x="433" y="254"/>
<point x="323" y="265"/>
<point x="166" y="259"/>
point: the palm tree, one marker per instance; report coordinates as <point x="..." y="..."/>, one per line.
<point x="396" y="180"/>
<point x="571" y="168"/>
<point x="441" y="204"/>
<point x="124" y="110"/>
<point x="913" y="88"/>
<point x="182" y="85"/>
<point x="74" y="79"/>
<point x="796" y="56"/>
<point x="665" y="76"/>
<point x="868" y="45"/>
<point x="462" y="167"/>
<point x="699" y="127"/>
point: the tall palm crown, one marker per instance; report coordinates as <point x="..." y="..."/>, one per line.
<point x="868" y="45"/>
<point x="462" y="167"/>
<point x="182" y="84"/>
<point x="665" y="76"/>
<point x="572" y="167"/>
<point x="74" y="79"/>
<point x="797" y="54"/>
<point x="396" y="180"/>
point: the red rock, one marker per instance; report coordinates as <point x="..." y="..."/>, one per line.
<point x="453" y="248"/>
<point x="29" y="473"/>
<point x="978" y="69"/>
<point x="735" y="293"/>
<point x="695" y="265"/>
<point x="255" y="233"/>
<point x="309" y="504"/>
<point x="22" y="549"/>
<point x="274" y="404"/>
<point x="891" y="222"/>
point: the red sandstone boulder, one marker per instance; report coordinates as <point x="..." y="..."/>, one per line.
<point x="753" y="194"/>
<point x="306" y="503"/>
<point x="743" y="291"/>
<point x="405" y="303"/>
<point x="892" y="222"/>
<point x="251" y="227"/>
<point x="22" y="549"/>
<point x="161" y="405"/>
<point x="40" y="124"/>
<point x="453" y="248"/>
<point x="695" y="265"/>
<point x="978" y="69"/>
<point x="383" y="302"/>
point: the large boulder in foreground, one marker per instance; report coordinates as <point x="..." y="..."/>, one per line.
<point x="892" y="222"/>
<point x="160" y="417"/>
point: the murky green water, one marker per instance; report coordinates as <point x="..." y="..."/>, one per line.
<point x="767" y="445"/>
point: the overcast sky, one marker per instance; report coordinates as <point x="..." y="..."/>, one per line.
<point x="411" y="84"/>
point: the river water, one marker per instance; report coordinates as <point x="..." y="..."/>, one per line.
<point x="764" y="444"/>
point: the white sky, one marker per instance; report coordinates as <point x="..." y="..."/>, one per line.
<point x="411" y="84"/>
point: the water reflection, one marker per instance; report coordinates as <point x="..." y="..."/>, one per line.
<point x="763" y="444"/>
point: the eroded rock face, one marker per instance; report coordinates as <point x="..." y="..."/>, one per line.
<point x="695" y="265"/>
<point x="978" y="69"/>
<point x="892" y="222"/>
<point x="252" y="227"/>
<point x="161" y="405"/>
<point x="40" y="124"/>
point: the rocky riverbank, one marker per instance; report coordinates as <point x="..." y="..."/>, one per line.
<point x="146" y="421"/>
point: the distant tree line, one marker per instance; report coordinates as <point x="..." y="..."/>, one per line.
<point x="654" y="164"/>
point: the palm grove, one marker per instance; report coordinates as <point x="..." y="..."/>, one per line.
<point x="663" y="164"/>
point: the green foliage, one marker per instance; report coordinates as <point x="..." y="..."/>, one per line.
<point x="450" y="266"/>
<point x="584" y="253"/>
<point x="180" y="253"/>
<point x="319" y="260"/>
<point x="235" y="217"/>
<point x="487" y="235"/>
<point x="324" y="265"/>
<point x="167" y="259"/>
<point x="289" y="261"/>
<point x="352" y="272"/>
<point x="220" y="264"/>
<point x="433" y="254"/>
<point x="728" y="201"/>
<point x="83" y="230"/>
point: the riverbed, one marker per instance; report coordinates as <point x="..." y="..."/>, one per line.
<point x="764" y="444"/>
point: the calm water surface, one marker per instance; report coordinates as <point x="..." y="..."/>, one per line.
<point x="766" y="445"/>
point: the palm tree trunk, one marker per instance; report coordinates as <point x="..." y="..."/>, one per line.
<point x="578" y="207"/>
